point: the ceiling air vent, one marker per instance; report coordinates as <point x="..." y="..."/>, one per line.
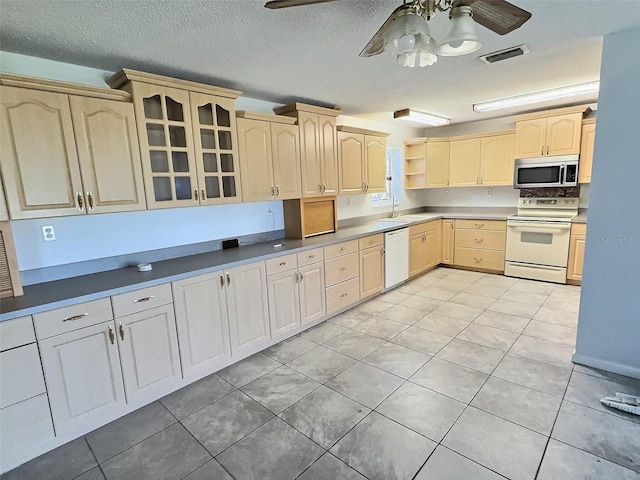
<point x="504" y="54"/>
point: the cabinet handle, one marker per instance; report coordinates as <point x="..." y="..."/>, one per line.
<point x="478" y="260"/>
<point x="364" y="187"/>
<point x="479" y="225"/>
<point x="144" y="299"/>
<point x="75" y="317"/>
<point x="273" y="191"/>
<point x="277" y="190"/>
<point x="301" y="276"/>
<point x="342" y="269"/>
<point x="282" y="264"/>
<point x="221" y="281"/>
<point x="478" y="240"/>
<point x="121" y="330"/>
<point x="367" y="186"/>
<point x="424" y="238"/>
<point x="112" y="337"/>
<point x="228" y="279"/>
<point x="80" y="201"/>
<point x="344" y="295"/>
<point x="542" y="150"/>
<point x="195" y="195"/>
<point x="481" y="180"/>
<point x="297" y="279"/>
<point x="311" y="256"/>
<point x="342" y="249"/>
<point x="90" y="200"/>
<point x="371" y="242"/>
<point x="324" y="188"/>
<point x="319" y="188"/>
<point x="547" y="149"/>
<point x="203" y="194"/>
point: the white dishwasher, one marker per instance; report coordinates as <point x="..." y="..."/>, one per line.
<point x="396" y="257"/>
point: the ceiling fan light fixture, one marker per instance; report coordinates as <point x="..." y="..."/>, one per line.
<point x="461" y="38"/>
<point x="421" y="117"/>
<point x="409" y="39"/>
<point x="538" y="97"/>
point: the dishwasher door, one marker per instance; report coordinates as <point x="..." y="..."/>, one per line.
<point x="396" y="259"/>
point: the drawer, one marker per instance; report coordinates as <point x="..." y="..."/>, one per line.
<point x="478" y="258"/>
<point x="140" y="300"/>
<point x="20" y="375"/>
<point x="281" y="264"/>
<point x="424" y="227"/>
<point x="310" y="256"/>
<point x="17" y="332"/>
<point x="578" y="229"/>
<point x="484" y="239"/>
<point x="67" y="319"/>
<point x="371" y="241"/>
<point x="482" y="224"/>
<point x="340" y="249"/>
<point x="339" y="269"/>
<point x="343" y="295"/>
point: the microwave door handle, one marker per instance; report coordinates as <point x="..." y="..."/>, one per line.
<point x="562" y="178"/>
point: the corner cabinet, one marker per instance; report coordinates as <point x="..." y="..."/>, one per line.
<point x="188" y="139"/>
<point x="448" y="241"/>
<point x="586" y="151"/>
<point x="362" y="161"/>
<point x="424" y="246"/>
<point x="318" y="147"/>
<point x="577" y="245"/>
<point x="269" y="151"/>
<point x="84" y="137"/>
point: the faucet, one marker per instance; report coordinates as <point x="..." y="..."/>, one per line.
<point x="394" y="204"/>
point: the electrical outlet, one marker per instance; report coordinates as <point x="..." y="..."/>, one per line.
<point x="48" y="234"/>
<point x="446" y="193"/>
<point x="349" y="202"/>
<point x="269" y="210"/>
<point x="488" y="191"/>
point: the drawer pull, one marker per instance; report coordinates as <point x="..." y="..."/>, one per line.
<point x="311" y="256"/>
<point x="478" y="240"/>
<point x="80" y="202"/>
<point x="143" y="299"/>
<point x="282" y="264"/>
<point x="342" y="249"/>
<point x="301" y="276"/>
<point x="479" y="225"/>
<point x="90" y="200"/>
<point x="112" y="337"/>
<point x="221" y="281"/>
<point x="297" y="278"/>
<point x="75" y="317"/>
<point x="342" y="269"/>
<point x="344" y="295"/>
<point x="121" y="330"/>
<point x="228" y="280"/>
<point x="371" y="242"/>
<point x="478" y="260"/>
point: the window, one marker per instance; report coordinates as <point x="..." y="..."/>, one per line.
<point x="394" y="180"/>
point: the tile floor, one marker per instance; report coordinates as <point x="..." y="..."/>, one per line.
<point x="455" y="375"/>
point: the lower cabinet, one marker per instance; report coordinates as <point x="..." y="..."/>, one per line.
<point x="202" y="322"/>
<point x="480" y="244"/>
<point x="424" y="246"/>
<point x="576" y="252"/>
<point x="342" y="275"/>
<point x="448" y="241"/>
<point x="371" y="265"/>
<point x="312" y="293"/>
<point x="84" y="378"/>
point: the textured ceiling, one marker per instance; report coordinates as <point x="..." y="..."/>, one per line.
<point x="311" y="53"/>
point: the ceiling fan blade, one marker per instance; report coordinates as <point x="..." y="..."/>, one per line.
<point x="376" y="44"/>
<point x="497" y="15"/>
<point x="293" y="3"/>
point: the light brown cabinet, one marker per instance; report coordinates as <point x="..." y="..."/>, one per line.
<point x="425" y="250"/>
<point x="577" y="245"/>
<point x="269" y="152"/>
<point x="464" y="162"/>
<point x="318" y="147"/>
<point x="426" y="163"/>
<point x="371" y="257"/>
<point x="484" y="161"/>
<point x="415" y="155"/>
<point x="362" y="161"/>
<point x="552" y="135"/>
<point x="342" y="275"/>
<point x="480" y="244"/>
<point x="437" y="164"/>
<point x="448" y="239"/>
<point x="67" y="154"/>
<point x="586" y="151"/>
<point x="188" y="139"/>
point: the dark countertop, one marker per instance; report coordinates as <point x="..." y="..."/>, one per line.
<point x="60" y="293"/>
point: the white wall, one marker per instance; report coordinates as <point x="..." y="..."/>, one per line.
<point x="472" y="197"/>
<point x="609" y="324"/>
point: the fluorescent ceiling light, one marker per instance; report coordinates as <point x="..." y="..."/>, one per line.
<point x="421" y="117"/>
<point x="537" y="97"/>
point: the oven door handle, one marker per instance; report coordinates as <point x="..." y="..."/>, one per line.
<point x="555" y="226"/>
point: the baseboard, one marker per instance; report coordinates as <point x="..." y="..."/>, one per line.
<point x="626" y="370"/>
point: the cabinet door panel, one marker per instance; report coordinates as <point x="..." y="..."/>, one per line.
<point x="432" y="248"/>
<point x="248" y="307"/>
<point x="464" y="162"/>
<point x="416" y="255"/>
<point x="448" y="239"/>
<point x="149" y="353"/>
<point x="201" y="320"/>
<point x="497" y="160"/>
<point x="437" y="164"/>
<point x="284" y="302"/>
<point x="586" y="153"/>
<point x="351" y="159"/>
<point x="376" y="164"/>
<point x="312" y="293"/>
<point x="109" y="154"/>
<point x="38" y="154"/>
<point x="83" y="377"/>
<point x="371" y="272"/>
<point x="329" y="154"/>
<point x="255" y="160"/>
<point x="310" y="154"/>
<point x="563" y="134"/>
<point x="285" y="145"/>
<point x="576" y="258"/>
<point x="4" y="213"/>
<point x="531" y="138"/>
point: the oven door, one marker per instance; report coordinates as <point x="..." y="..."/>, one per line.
<point x="538" y="242"/>
<point x="538" y="175"/>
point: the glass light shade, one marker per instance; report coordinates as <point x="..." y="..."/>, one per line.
<point x="405" y="33"/>
<point x="422" y="57"/>
<point x="461" y="38"/>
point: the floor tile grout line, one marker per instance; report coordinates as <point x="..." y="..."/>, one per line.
<point x="206" y="450"/>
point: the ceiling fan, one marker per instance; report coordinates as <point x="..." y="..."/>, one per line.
<point x="406" y="34"/>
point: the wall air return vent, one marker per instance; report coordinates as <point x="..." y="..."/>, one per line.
<point x="504" y="54"/>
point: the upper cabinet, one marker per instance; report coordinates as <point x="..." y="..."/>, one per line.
<point x="188" y="139"/>
<point x="415" y="154"/>
<point x="486" y="161"/>
<point x="586" y="151"/>
<point x="362" y="161"/>
<point x="269" y="152"/>
<point x="67" y="150"/>
<point x="437" y="163"/>
<point x="555" y="132"/>
<point x="318" y="147"/>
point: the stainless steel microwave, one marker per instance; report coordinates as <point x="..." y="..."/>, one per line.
<point x="557" y="171"/>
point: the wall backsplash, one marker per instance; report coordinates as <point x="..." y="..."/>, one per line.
<point x="560" y="192"/>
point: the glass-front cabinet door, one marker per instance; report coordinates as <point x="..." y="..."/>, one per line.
<point x="216" y="150"/>
<point x="166" y="144"/>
